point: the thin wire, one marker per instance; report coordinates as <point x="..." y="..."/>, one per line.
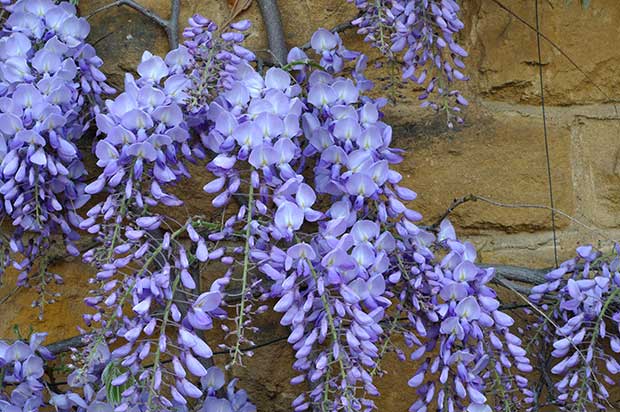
<point x="544" y="115"/>
<point x="562" y="52"/>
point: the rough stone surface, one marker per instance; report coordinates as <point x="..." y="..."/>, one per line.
<point x="597" y="156"/>
<point x="60" y="319"/>
<point x="499" y="156"/>
<point x="505" y="54"/>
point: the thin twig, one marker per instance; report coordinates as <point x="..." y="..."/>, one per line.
<point x="474" y="198"/>
<point x="171" y="26"/>
<point x="9" y="295"/>
<point x="137" y="7"/>
<point x="455" y="203"/>
<point x="102" y="9"/>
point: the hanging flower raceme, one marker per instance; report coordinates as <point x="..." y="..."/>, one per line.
<point x="149" y="298"/>
<point x="150" y="302"/>
<point x="331" y="281"/>
<point x="461" y="338"/>
<point x="49" y="78"/>
<point x="216" y="59"/>
<point x="422" y="35"/>
<point x="146" y="136"/>
<point x="254" y="128"/>
<point x="579" y="321"/>
<point x="341" y="277"/>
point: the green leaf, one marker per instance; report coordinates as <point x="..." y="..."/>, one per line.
<point x="111" y="372"/>
<point x="585" y="4"/>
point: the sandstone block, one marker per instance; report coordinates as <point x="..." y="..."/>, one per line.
<point x="504" y="63"/>
<point x="597" y="170"/>
<point x="499" y="156"/>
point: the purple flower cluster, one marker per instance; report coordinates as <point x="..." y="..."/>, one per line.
<point x="578" y="301"/>
<point x="422" y="34"/>
<point x="216" y="58"/>
<point x="143" y="260"/>
<point x="254" y="132"/>
<point x="333" y="296"/>
<point x="49" y="77"/>
<point x="22" y="388"/>
<point x="257" y="123"/>
<point x="235" y="401"/>
<point x="459" y="334"/>
<point x="329" y="47"/>
<point x="146" y="136"/>
<point x="21" y="372"/>
<point x="150" y="272"/>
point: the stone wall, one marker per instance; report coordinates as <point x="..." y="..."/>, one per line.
<point x="499" y="153"/>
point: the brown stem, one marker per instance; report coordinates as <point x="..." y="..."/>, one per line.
<point x="275" y="32"/>
<point x="170" y="26"/>
<point x="455" y="203"/>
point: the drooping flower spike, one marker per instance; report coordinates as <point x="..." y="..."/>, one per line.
<point x="50" y="76"/>
<point x="468" y="357"/>
<point x="420" y="37"/>
<point x="577" y="325"/>
<point x="149" y="297"/>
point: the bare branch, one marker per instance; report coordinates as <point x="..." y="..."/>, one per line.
<point x="137" y="7"/>
<point x="520" y="274"/>
<point x="275" y="32"/>
<point x="65" y="345"/>
<point x="170" y="26"/>
<point x="455" y="203"/>
<point x="476" y="198"/>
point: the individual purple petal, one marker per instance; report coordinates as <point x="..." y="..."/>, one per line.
<point x="323" y="40"/>
<point x="468" y="308"/>
<point x="502" y="319"/>
<point x="152" y="68"/>
<point x="214" y="379"/>
<point x="143" y="307"/>
<point x="276" y="78"/>
<point x="289" y="217"/>
<point x="213" y="404"/>
<point x="208" y="301"/>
